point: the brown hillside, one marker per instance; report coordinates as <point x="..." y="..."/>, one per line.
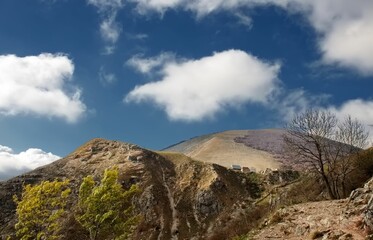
<point x="180" y="199"/>
<point x="259" y="149"/>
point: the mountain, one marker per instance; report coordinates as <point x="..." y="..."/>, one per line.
<point x="180" y="198"/>
<point x="259" y="149"/>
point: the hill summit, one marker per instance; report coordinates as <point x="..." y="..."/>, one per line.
<point x="256" y="149"/>
<point x="180" y="198"/>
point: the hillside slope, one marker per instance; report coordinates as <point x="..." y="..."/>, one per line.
<point x="259" y="149"/>
<point x="181" y="198"/>
<point x="346" y="219"/>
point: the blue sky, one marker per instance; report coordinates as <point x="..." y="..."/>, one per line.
<point x="155" y="72"/>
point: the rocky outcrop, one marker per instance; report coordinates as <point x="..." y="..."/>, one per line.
<point x="180" y="198"/>
<point x="350" y="218"/>
<point x="207" y="204"/>
<point x="361" y="202"/>
<point x="274" y="177"/>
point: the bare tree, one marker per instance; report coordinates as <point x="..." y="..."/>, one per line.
<point x="323" y="144"/>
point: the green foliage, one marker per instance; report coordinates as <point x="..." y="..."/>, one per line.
<point x="255" y="177"/>
<point x="105" y="210"/>
<point x="255" y="184"/>
<point x="40" y="209"/>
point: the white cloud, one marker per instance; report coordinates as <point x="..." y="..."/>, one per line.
<point x="358" y="108"/>
<point x="298" y="101"/>
<point x="147" y="65"/>
<point x="12" y="164"/>
<point x="143" y="6"/>
<point x="106" y="5"/>
<point x="110" y="29"/>
<point x="36" y="85"/>
<point x="288" y="103"/>
<point x="201" y="7"/>
<point x="345" y="27"/>
<point x="350" y="44"/>
<point x="192" y="90"/>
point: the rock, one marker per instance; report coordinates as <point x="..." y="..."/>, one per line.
<point x="281" y="176"/>
<point x="301" y="230"/>
<point x="369" y="184"/>
<point x="219" y="184"/>
<point x="368" y="215"/>
<point x="207" y="204"/>
<point x="325" y="222"/>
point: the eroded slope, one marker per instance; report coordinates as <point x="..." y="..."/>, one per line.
<point x="180" y="198"/>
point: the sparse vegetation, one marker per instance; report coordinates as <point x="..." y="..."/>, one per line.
<point x="211" y="202"/>
<point x="40" y="209"/>
<point x="324" y="144"/>
<point x="363" y="169"/>
<point x="308" y="188"/>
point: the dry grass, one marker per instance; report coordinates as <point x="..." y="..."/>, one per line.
<point x="222" y="149"/>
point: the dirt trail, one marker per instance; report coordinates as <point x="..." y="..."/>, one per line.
<point x="325" y="219"/>
<point x="175" y="219"/>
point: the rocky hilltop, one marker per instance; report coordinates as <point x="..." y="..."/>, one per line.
<point x="180" y="198"/>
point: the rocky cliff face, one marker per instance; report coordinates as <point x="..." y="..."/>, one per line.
<point x="180" y="198"/>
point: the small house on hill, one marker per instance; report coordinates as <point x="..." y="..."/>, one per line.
<point x="245" y="169"/>
<point x="236" y="167"/>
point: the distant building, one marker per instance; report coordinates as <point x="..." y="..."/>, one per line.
<point x="248" y="169"/>
<point x="236" y="167"/>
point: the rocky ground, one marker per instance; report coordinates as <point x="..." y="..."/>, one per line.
<point x="317" y="220"/>
<point x="344" y="219"/>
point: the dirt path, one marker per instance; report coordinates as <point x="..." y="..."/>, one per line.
<point x="317" y="220"/>
<point x="175" y="219"/>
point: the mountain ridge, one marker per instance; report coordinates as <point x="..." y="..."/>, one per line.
<point x="180" y="199"/>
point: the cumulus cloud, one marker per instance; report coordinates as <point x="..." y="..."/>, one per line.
<point x="37" y="85"/>
<point x="110" y="29"/>
<point x="345" y="27"/>
<point x="12" y="164"/>
<point x="195" y="89"/>
<point x="350" y="45"/>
